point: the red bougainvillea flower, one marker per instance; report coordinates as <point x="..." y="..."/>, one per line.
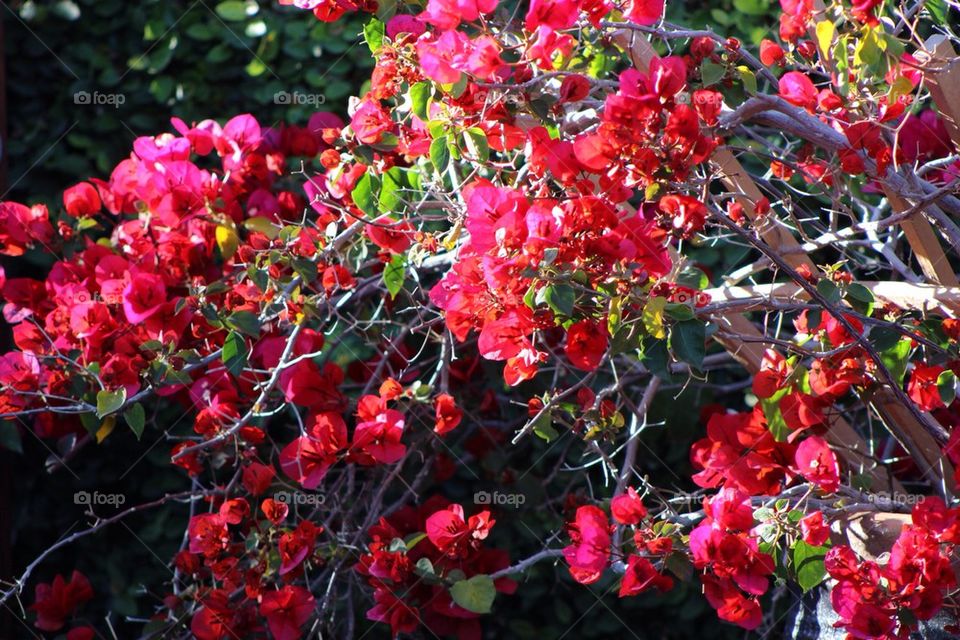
<point x="257" y="478"/>
<point x="796" y="88"/>
<point x="814" y="531"/>
<point x="81" y="200"/>
<point x="586" y="344"/>
<point x="276" y="512"/>
<point x="448" y="415"/>
<point x="770" y="52"/>
<point x="923" y="388"/>
<point x="307" y="458"/>
<point x="208" y="534"/>
<point x="773" y="373"/>
<point x="817" y="463"/>
<point x="589" y="554"/>
<point x="55" y="602"/>
<point x="628" y="508"/>
<point x="641" y="575"/>
<point x="286" y="610"/>
<point x="453" y="535"/>
<point x="687" y="215"/>
<point x="731" y="604"/>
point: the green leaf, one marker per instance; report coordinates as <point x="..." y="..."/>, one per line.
<point x="475" y="141"/>
<point x="363" y="193"/>
<point x="420" y="99"/>
<point x="560" y="298"/>
<point x="475" y="594"/>
<point x="394" y="274"/>
<point x="808" y="564"/>
<point x="232" y="10"/>
<point x="373" y="33"/>
<point x="938" y="10"/>
<point x="712" y="73"/>
<point x="440" y="153"/>
<point x="110" y="401"/>
<point x="752" y="7"/>
<point x="895" y="359"/>
<point x="828" y="290"/>
<point x="234" y="354"/>
<point x="245" y="322"/>
<point x="860" y="298"/>
<point x="774" y="417"/>
<point x="947" y="386"/>
<point x="693" y="277"/>
<point x="543" y="427"/>
<point x="136" y="418"/>
<point x="687" y="341"/>
<point x="681" y="312"/>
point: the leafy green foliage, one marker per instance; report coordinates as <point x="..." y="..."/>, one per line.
<point x="184" y="59"/>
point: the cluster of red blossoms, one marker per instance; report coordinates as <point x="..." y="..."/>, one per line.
<point x="589" y="555"/>
<point x="415" y="554"/>
<point x="884" y="601"/>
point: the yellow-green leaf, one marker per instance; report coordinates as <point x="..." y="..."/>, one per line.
<point x="227" y="240"/>
<point x="653" y="317"/>
<point x="825" y="31"/>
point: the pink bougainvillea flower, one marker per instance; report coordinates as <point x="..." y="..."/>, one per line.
<point x="589" y="554"/>
<point x="447" y="14"/>
<point x="796" y="88"/>
<point x="370" y="121"/>
<point x="817" y="463"/>
<point x="143" y="296"/>
<point x="644" y="12"/>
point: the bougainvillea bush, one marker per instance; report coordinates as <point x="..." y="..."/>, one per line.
<point x="579" y="305"/>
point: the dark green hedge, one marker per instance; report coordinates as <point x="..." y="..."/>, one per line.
<point x="193" y="59"/>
